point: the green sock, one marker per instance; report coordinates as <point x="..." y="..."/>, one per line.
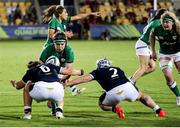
<point x="175" y="90"/>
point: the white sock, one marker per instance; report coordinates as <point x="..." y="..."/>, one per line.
<point x="73" y="88"/>
<point x="27" y="107"/>
<point x="173" y="85"/>
<point x="156" y="108"/>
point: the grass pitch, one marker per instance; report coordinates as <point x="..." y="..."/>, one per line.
<point x="83" y="110"/>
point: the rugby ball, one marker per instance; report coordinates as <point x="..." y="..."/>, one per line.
<point x="53" y="60"/>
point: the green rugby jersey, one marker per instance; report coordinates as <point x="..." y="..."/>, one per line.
<point x="66" y="56"/>
<point x="147" y="30"/>
<point x="57" y="26"/>
<point x="169" y="41"/>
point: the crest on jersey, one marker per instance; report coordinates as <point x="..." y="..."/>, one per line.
<point x="63" y="60"/>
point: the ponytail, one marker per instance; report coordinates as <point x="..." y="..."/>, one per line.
<point x="48" y="14"/>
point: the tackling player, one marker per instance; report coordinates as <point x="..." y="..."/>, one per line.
<point x="117" y="88"/>
<point x="42" y="83"/>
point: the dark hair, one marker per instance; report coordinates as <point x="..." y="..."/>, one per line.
<point x="158" y="14"/>
<point x="60" y="36"/>
<point x="48" y="13"/>
<point x="32" y="64"/>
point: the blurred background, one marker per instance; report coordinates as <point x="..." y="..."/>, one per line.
<point x="120" y="19"/>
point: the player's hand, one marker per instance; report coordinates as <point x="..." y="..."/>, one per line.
<point x="13" y="82"/>
<point x="69" y="34"/>
<point x="65" y="83"/>
<point x="154" y="56"/>
<point x="96" y="13"/>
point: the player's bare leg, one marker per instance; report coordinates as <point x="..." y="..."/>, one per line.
<point x="27" y="102"/>
<point x="147" y="65"/>
<point x="149" y="102"/>
<point x="114" y="108"/>
<point x="172" y="83"/>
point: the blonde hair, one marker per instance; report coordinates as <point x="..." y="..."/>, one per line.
<point x="174" y="18"/>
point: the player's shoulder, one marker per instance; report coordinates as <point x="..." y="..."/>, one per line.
<point x="49" y="46"/>
<point x="51" y="66"/>
<point x="158" y="28"/>
<point x="68" y="48"/>
<point x="33" y="69"/>
<point x="154" y="23"/>
<point x="52" y="20"/>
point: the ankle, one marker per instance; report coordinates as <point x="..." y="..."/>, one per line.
<point x="27" y="109"/>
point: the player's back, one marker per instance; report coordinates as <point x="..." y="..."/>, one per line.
<point x="44" y="72"/>
<point x="110" y="77"/>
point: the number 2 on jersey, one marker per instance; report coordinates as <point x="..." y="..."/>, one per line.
<point x="114" y="72"/>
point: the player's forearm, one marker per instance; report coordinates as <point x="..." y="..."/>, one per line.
<point x="152" y="42"/>
<point x="79" y="80"/>
<point x="80" y="16"/>
<point x="71" y="71"/>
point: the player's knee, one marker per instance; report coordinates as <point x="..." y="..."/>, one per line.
<point x="143" y="69"/>
<point x="153" y="68"/>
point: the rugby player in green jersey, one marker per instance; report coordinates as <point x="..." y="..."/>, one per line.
<point x="168" y="35"/>
<point x="147" y="65"/>
<point x="59" y="23"/>
<point x="65" y="54"/>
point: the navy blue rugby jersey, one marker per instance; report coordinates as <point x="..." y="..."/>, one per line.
<point x="109" y="78"/>
<point x="43" y="72"/>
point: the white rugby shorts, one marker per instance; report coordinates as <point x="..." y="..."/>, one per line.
<point x="122" y="92"/>
<point x="47" y="91"/>
<point x="142" y="48"/>
<point x="167" y="61"/>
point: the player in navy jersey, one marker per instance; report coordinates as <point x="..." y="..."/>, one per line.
<point x="117" y="88"/>
<point x="41" y="82"/>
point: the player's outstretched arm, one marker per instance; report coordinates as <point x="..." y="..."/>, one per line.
<point x="82" y="16"/>
<point x="79" y="80"/>
<point x="66" y="71"/>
